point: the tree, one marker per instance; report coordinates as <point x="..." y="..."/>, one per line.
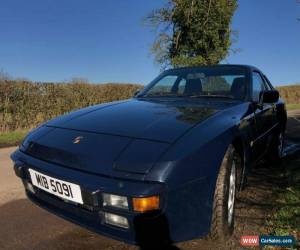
<point x="192" y="32"/>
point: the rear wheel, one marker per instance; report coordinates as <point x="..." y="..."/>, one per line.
<point x="276" y="147"/>
<point x="225" y="194"/>
<point x="280" y="143"/>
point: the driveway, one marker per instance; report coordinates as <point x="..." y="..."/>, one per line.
<point x="25" y="226"/>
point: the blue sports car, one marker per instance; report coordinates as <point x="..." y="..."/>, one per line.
<point x="162" y="167"/>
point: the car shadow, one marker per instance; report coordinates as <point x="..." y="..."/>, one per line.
<point x="26" y="226"/>
<point x="152" y="232"/>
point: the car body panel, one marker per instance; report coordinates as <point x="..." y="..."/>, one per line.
<point x="160" y="121"/>
<point x="124" y="152"/>
<point x="79" y="150"/>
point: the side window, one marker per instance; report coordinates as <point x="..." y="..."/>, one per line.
<point x="268" y="84"/>
<point x="257" y="85"/>
<point x="164" y="85"/>
<point x="181" y="86"/>
<point x="267" y="87"/>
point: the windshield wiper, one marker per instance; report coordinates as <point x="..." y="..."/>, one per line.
<point x="212" y="96"/>
<point x="157" y="95"/>
<point x="164" y="95"/>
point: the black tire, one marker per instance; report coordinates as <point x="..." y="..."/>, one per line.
<point x="222" y="226"/>
<point x="276" y="148"/>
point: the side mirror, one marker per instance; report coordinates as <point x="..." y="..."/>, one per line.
<point x="269" y="96"/>
<point x="136" y="92"/>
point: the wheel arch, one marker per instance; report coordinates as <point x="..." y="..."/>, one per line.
<point x="239" y="146"/>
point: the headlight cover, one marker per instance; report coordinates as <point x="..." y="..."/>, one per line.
<point x="116" y="220"/>
<point x="116" y="201"/>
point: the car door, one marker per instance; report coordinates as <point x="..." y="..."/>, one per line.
<point x="264" y="117"/>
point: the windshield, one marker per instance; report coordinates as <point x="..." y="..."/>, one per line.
<point x="219" y="82"/>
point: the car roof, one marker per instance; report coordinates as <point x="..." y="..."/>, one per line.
<point x="247" y="67"/>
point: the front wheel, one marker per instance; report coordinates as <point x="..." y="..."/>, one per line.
<point x="224" y="198"/>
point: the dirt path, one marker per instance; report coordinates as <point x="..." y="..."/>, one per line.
<point x="25" y="226"/>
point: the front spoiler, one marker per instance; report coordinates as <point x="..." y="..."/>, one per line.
<point x="87" y="219"/>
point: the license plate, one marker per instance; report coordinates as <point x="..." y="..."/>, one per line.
<point x="63" y="189"/>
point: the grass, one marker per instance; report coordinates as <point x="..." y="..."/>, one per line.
<point x="286" y="217"/>
<point x="12" y="138"/>
<point x="293" y="106"/>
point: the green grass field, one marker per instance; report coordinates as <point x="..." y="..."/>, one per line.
<point x="12" y="138"/>
<point x="293" y="106"/>
<point x="285" y="219"/>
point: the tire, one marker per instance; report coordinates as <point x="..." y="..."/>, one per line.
<point x="276" y="148"/>
<point x="222" y="224"/>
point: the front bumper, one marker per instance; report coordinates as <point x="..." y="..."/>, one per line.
<point x="91" y="214"/>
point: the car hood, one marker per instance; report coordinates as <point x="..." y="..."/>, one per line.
<point x="162" y="121"/>
<point x="125" y="137"/>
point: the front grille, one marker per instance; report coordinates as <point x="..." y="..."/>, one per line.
<point x="53" y="155"/>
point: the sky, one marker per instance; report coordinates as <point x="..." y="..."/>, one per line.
<point x="107" y="41"/>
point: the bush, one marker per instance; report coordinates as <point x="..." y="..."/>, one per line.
<point x="291" y="93"/>
<point x="24" y="104"/>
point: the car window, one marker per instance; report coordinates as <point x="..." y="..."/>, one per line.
<point x="164" y="85"/>
<point x="181" y="86"/>
<point x="220" y="83"/>
<point x="201" y="82"/>
<point x="268" y="84"/>
<point x="257" y="85"/>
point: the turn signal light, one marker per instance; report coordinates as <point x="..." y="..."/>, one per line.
<point x="145" y="204"/>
